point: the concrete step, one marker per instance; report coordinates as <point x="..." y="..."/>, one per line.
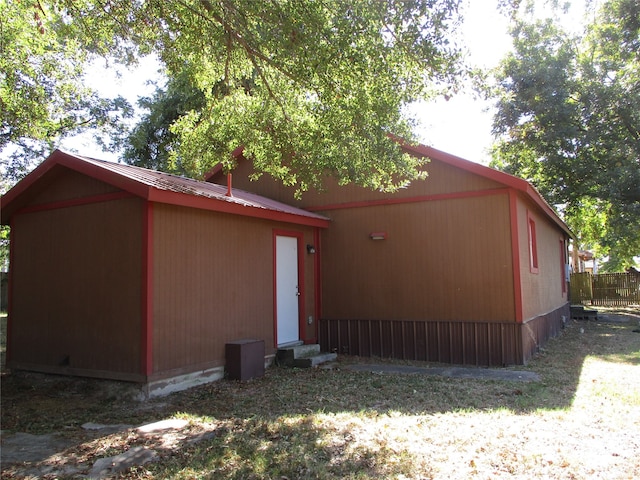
<point x="287" y="355"/>
<point x="314" y="360"/>
<point x="303" y="356"/>
<point x="579" y="312"/>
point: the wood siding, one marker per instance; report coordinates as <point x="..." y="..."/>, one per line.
<point x="445" y="260"/>
<point x="75" y="276"/>
<point x="64" y="184"/>
<point x="213" y="283"/>
<point x="542" y="289"/>
<point x="442" y="179"/>
<point x="452" y="280"/>
<point x="106" y="284"/>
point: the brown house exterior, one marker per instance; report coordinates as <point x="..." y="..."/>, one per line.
<point x="125" y="273"/>
<point x="465" y="267"/>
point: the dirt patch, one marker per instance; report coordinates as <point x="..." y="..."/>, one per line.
<point x="99" y="451"/>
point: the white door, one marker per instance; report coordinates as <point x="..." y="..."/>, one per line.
<point x="287" y="291"/>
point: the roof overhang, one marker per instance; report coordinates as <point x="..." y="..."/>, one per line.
<point x="133" y="180"/>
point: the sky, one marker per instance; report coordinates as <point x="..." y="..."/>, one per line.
<point x="460" y="126"/>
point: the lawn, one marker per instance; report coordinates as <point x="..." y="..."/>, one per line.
<point x="581" y="420"/>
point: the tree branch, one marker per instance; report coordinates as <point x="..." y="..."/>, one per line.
<point x="252" y="54"/>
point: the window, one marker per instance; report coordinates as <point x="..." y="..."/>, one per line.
<point x="533" y="245"/>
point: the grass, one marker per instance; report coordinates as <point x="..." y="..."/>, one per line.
<point x="582" y="420"/>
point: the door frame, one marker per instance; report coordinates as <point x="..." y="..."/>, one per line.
<point x="299" y="236"/>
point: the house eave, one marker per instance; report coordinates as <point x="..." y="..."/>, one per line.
<point x="11" y="201"/>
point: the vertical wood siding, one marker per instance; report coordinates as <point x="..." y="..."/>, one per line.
<point x="65" y="184"/>
<point x="76" y="288"/>
<point x="541" y="290"/>
<point x="213" y="283"/>
<point x="443" y="280"/>
<point x="310" y="330"/>
<point x="442" y="260"/>
<point x="442" y="179"/>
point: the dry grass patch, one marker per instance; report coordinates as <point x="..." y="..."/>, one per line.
<point x="582" y="420"/>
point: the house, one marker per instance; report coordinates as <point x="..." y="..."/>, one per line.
<point x="130" y="274"/>
<point x="586" y="262"/>
<point x="125" y="273"/>
<point x="467" y="267"/>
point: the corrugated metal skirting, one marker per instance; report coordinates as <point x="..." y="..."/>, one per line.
<point x="464" y="343"/>
<point x="536" y="332"/>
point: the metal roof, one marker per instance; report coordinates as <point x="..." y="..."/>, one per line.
<point x="189" y="186"/>
<point x="164" y="187"/>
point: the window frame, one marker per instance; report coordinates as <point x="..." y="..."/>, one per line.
<point x="534" y="265"/>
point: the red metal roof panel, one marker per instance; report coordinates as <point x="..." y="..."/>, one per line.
<point x="189" y="186"/>
<point x="164" y="187"/>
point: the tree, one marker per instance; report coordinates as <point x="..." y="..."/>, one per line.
<point x="307" y="88"/>
<point x="152" y="141"/>
<point x="568" y="120"/>
<point x="42" y="93"/>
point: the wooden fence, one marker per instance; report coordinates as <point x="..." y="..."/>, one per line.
<point x="605" y="289"/>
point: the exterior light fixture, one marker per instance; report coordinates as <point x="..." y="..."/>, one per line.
<point x="311" y="249"/>
<point x="378" y="236"/>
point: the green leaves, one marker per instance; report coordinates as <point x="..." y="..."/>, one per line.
<point x="151" y="141"/>
<point x="308" y="88"/>
<point x="568" y="120"/>
<point x="42" y="92"/>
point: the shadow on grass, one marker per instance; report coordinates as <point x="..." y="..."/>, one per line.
<point x="271" y="426"/>
<point x="45" y="403"/>
<point x="560" y="363"/>
<point x="300" y="392"/>
<point x="252" y="438"/>
<point x="291" y="447"/>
